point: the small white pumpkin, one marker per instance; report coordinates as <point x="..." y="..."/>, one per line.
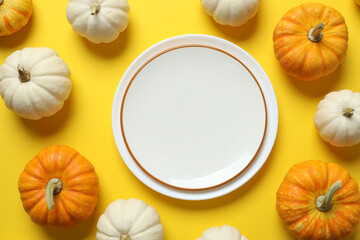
<point x="98" y="20"/>
<point x="337" y="118"/>
<point x="231" y="12"/>
<point x="225" y="232"/>
<point x="34" y="82"/>
<point x="129" y="219"/>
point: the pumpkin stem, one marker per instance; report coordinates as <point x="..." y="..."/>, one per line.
<point x="53" y="187"/>
<point x="125" y="236"/>
<point x="323" y="203"/>
<point x="95" y="8"/>
<point x="1" y="2"/>
<point x="348" y="112"/>
<point x="315" y="34"/>
<point x="24" y="75"/>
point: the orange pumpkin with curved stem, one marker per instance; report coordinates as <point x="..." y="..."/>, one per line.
<point x="59" y="187"/>
<point x="14" y="15"/>
<point x="310" y="41"/>
<point x="319" y="200"/>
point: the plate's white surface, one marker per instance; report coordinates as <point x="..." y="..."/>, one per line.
<point x="206" y="119"/>
<point x="193" y="117"/>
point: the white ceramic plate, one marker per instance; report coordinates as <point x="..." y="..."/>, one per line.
<point x="194" y="112"/>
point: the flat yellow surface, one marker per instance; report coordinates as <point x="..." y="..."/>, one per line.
<point x="85" y="121"/>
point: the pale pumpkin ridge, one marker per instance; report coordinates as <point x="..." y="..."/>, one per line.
<point x="138" y="216"/>
<point x="146" y="230"/>
<point x="44" y="58"/>
<point x="51" y="95"/>
<point x="334" y="133"/>
<point x="33" y="103"/>
<point x="66" y="74"/>
<point x="54" y="94"/>
<point x="109" y="20"/>
<point x="328" y="121"/>
<point x="106" y="218"/>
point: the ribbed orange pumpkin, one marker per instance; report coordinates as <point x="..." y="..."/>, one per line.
<point x="310" y="41"/>
<point x="59" y="187"/>
<point x="14" y="14"/>
<point x="319" y="200"/>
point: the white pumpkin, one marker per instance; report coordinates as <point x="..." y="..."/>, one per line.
<point x="129" y="219"/>
<point x="98" y="20"/>
<point x="337" y="118"/>
<point x="231" y="12"/>
<point x="225" y="232"/>
<point x="34" y="82"/>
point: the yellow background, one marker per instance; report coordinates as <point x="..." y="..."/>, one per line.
<point x="85" y="121"/>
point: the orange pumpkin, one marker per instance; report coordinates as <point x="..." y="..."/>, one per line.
<point x="319" y="200"/>
<point x="14" y="15"/>
<point x="59" y="187"/>
<point x="310" y="41"/>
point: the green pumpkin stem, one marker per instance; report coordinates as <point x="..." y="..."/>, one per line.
<point x="125" y="236"/>
<point x="348" y="112"/>
<point x="53" y="187"/>
<point x="323" y="203"/>
<point x="315" y="34"/>
<point x="95" y="8"/>
<point x="24" y="76"/>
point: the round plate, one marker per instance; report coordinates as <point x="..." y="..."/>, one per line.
<point x="194" y="112"/>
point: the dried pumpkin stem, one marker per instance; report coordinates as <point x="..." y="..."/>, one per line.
<point x="24" y="75"/>
<point x="315" y="34"/>
<point x="95" y="8"/>
<point x="323" y="203"/>
<point x="125" y="236"/>
<point x="348" y="112"/>
<point x="53" y="187"/>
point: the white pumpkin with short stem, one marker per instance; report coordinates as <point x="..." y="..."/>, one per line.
<point x="337" y="118"/>
<point x="129" y="219"/>
<point x="231" y="12"/>
<point x="34" y="82"/>
<point x="98" y="20"/>
<point x="225" y="232"/>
